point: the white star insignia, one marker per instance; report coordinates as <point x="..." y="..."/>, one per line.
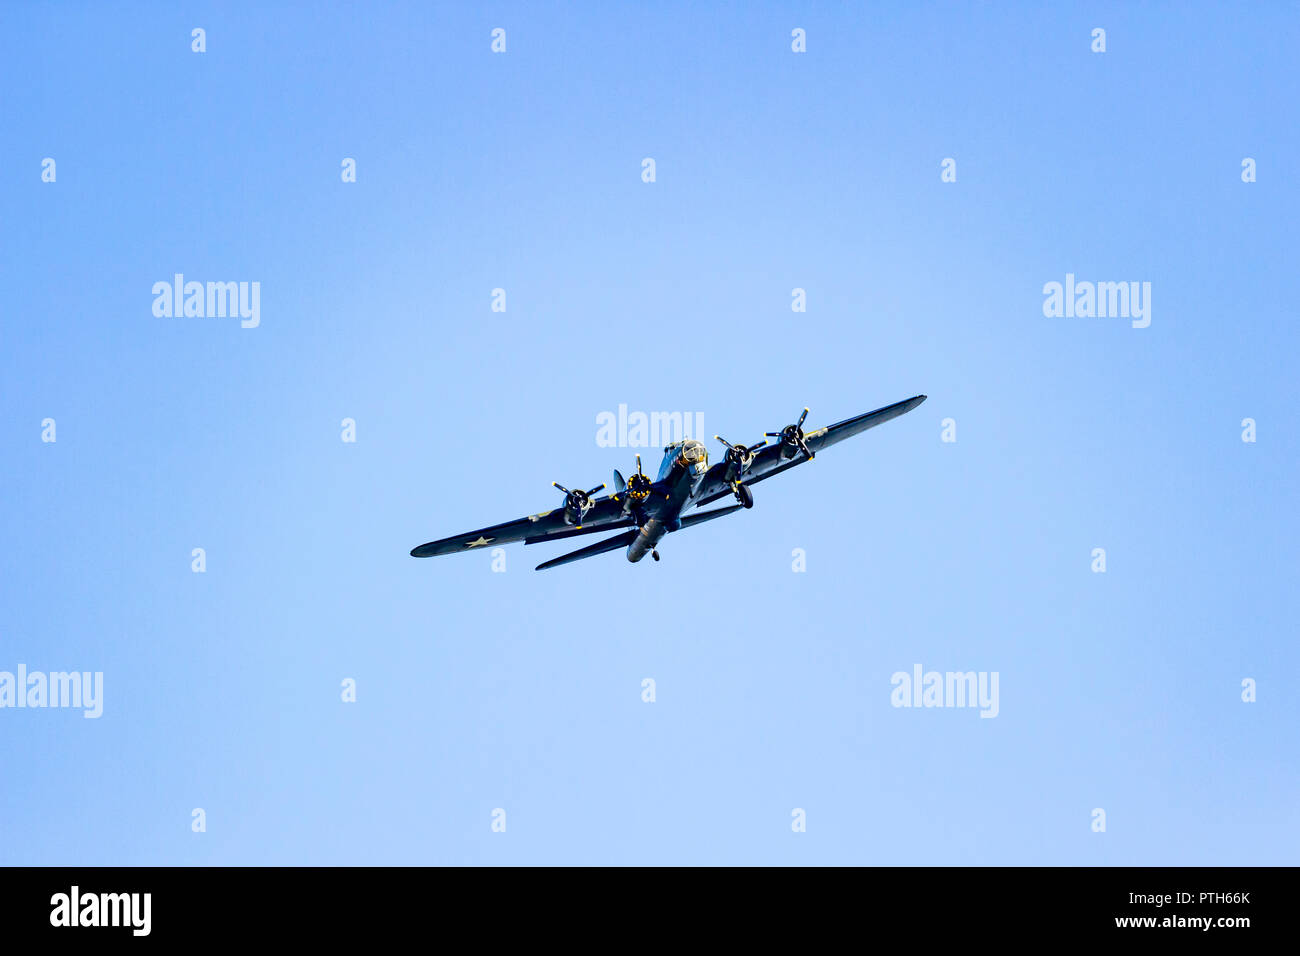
<point x="479" y="543"/>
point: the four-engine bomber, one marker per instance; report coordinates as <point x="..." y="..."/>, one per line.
<point x="685" y="483"/>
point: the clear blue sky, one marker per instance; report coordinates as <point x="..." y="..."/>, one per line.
<point x="522" y="690"/>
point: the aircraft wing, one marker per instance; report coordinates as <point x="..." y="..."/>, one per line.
<point x="604" y="513"/>
<point x="767" y="461"/>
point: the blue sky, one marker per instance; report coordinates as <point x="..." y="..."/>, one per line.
<point x="520" y="690"/>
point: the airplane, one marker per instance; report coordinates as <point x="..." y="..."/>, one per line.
<point x="652" y="509"/>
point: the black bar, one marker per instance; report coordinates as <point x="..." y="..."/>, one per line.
<point x="963" y="905"/>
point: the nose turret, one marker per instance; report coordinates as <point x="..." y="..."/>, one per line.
<point x="693" y="455"/>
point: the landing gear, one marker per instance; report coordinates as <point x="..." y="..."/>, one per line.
<point x="745" y="496"/>
<point x="653" y="554"/>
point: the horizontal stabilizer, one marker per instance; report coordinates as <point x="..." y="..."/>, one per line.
<point x="701" y="516"/>
<point x="600" y="547"/>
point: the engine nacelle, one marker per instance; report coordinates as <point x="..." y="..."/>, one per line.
<point x="576" y="503"/>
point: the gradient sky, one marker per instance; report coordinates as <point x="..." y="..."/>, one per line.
<point x="522" y="690"/>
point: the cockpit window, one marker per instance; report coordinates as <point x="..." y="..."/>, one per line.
<point x="694" y="456"/>
<point x="689" y="454"/>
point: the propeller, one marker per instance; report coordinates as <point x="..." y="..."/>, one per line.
<point x="638" y="486"/>
<point x="577" y="503"/>
<point x="738" y="456"/>
<point x="792" y="435"/>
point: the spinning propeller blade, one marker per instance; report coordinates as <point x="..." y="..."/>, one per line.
<point x="792" y="435"/>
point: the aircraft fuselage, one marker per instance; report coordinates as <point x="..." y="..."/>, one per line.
<point x="683" y="468"/>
